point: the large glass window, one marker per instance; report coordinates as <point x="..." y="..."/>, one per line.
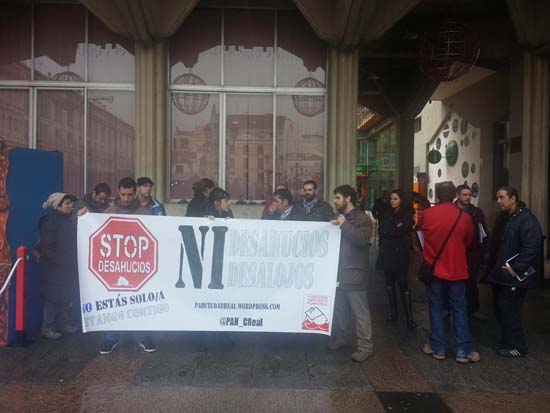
<point x="44" y="44"/>
<point x="271" y="106"/>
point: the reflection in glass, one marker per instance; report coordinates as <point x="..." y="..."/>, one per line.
<point x="59" y="42"/>
<point x="249" y="146"/>
<point x="382" y="165"/>
<point x="15" y="41"/>
<point x="110" y="150"/>
<point x="301" y="55"/>
<point x="14" y="117"/>
<point x="60" y="127"/>
<point x="110" y="56"/>
<point x="248" y="53"/>
<point x="195" y="143"/>
<point x="196" y="49"/>
<point x="300" y="146"/>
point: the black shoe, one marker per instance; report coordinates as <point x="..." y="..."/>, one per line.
<point x="510" y="352"/>
<point x="407" y="305"/>
<point x="107" y="346"/>
<point x="147" y="345"/>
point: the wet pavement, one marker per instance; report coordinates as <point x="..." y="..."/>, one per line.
<point x="283" y="372"/>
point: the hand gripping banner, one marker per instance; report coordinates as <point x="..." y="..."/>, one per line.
<point x="150" y="273"/>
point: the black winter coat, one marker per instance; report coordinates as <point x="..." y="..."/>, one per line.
<point x="519" y="233"/>
<point x="197" y="206"/>
<point x="320" y="212"/>
<point x="58" y="258"/>
<point x="395" y="242"/>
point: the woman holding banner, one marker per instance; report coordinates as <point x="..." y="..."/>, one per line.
<point x="219" y="205"/>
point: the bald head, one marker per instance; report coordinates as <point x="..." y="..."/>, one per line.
<point x="445" y="191"/>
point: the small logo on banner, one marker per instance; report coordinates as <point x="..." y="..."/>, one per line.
<point x="316" y="308"/>
<point x="123" y="254"/>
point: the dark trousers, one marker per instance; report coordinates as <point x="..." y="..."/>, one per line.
<point x="397" y="277"/>
<point x="508" y="304"/>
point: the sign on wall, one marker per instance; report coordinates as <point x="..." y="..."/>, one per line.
<point x="149" y="273"/>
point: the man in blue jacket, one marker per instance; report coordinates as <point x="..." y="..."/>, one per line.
<point x="514" y="253"/>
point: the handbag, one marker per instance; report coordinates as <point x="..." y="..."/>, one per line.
<point x="426" y="270"/>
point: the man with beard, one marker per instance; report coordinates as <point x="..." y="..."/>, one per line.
<point x="127" y="203"/>
<point x="315" y="209"/>
<point x="351" y="294"/>
<point x="96" y="201"/>
<point x="475" y="252"/>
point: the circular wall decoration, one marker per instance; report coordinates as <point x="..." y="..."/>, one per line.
<point x="431" y="193"/>
<point x="461" y="142"/>
<point x="475" y="190"/>
<point x="438" y="143"/>
<point x="466" y="141"/>
<point x="463" y="126"/>
<point x="446" y="130"/>
<point x="434" y="156"/>
<point x="455" y="125"/>
<point x="473" y="168"/>
<point x="466" y="183"/>
<point x="309" y="105"/>
<point x="451" y="153"/>
<point x="190" y="103"/>
<point x="465" y="169"/>
<point x="439" y="173"/>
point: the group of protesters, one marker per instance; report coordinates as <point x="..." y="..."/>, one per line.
<point x="452" y="238"/>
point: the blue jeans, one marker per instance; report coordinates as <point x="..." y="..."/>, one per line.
<point x="439" y="291"/>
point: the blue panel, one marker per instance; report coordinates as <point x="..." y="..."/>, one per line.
<point x="32" y="176"/>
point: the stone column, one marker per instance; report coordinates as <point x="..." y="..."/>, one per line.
<point x="342" y="121"/>
<point x="151" y="115"/>
<point x="534" y="146"/>
<point x="405" y="152"/>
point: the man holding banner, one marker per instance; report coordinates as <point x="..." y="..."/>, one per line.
<point x="351" y="293"/>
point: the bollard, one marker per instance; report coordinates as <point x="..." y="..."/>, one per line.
<point x="20" y="316"/>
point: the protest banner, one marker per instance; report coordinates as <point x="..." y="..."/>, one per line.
<point x="144" y="273"/>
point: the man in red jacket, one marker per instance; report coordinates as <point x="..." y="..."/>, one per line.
<point x="450" y="273"/>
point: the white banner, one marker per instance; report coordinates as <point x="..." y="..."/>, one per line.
<point x="152" y="273"/>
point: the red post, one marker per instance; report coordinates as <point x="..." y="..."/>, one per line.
<point x="20" y="291"/>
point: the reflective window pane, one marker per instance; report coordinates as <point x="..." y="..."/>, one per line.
<point x="301" y="55"/>
<point x="110" y="150"/>
<point x="15" y="41"/>
<point x="14" y="117"/>
<point x="59" y="42"/>
<point x="110" y="56"/>
<point x="300" y="145"/>
<point x="248" y="52"/>
<point x="195" y="50"/>
<point x="60" y="127"/>
<point x="249" y="146"/>
<point x="195" y="141"/>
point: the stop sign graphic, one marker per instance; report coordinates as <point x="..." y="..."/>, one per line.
<point x="123" y="254"/>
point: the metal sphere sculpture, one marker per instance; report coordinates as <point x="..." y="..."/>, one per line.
<point x="309" y="105"/>
<point x="190" y="103"/>
<point x="449" y="51"/>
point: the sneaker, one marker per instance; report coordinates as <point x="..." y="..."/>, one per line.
<point x="335" y="344"/>
<point x="473" y="357"/>
<point x="147" y="345"/>
<point x="361" y="355"/>
<point x="51" y="334"/>
<point x="510" y="352"/>
<point x="427" y="349"/>
<point x="107" y="346"/>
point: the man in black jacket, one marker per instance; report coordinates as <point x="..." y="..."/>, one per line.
<point x="315" y="209"/>
<point x="475" y="253"/>
<point x="515" y="250"/>
<point x="285" y="208"/>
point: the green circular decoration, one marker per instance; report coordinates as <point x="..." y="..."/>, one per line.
<point x="439" y="173"/>
<point x="431" y="193"/>
<point x="463" y="126"/>
<point x="434" y="156"/>
<point x="461" y="142"/>
<point x="466" y="141"/>
<point x="466" y="183"/>
<point x="473" y="168"/>
<point x="451" y="153"/>
<point x="465" y="169"/>
<point x="475" y="190"/>
<point x="455" y="125"/>
<point x="446" y="130"/>
<point x="438" y="143"/>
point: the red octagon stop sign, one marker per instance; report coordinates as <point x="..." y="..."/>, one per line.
<point x="123" y="254"/>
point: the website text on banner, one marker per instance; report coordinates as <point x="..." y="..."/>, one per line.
<point x="195" y="274"/>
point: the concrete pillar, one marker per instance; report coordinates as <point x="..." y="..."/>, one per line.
<point x="342" y="121"/>
<point x="534" y="146"/>
<point x="151" y="115"/>
<point x="405" y="152"/>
